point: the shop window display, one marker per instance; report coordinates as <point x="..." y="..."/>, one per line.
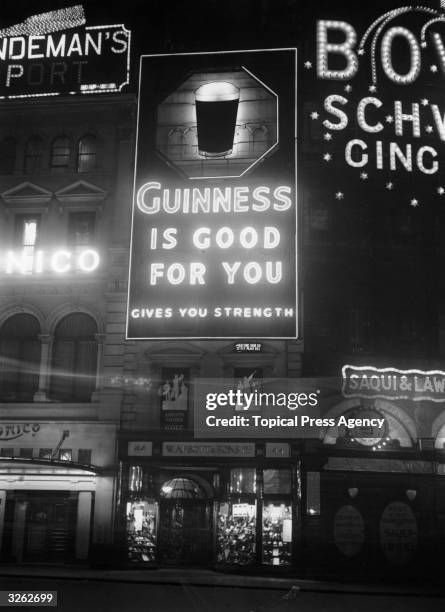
<point x="277" y="518"/>
<point x="236" y="528"/>
<point x="277" y="533"/>
<point x="236" y="535"/>
<point x="141" y="530"/>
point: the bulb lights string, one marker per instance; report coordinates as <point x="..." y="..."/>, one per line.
<point x="403" y="120"/>
<point x="45" y="23"/>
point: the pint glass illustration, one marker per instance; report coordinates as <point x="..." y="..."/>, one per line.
<point x="216" y="112"/>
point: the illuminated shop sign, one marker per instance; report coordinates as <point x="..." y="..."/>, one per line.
<point x="12" y="431"/>
<point x="392" y="383"/>
<point x="380" y="112"/>
<point x="55" y="52"/>
<point x="60" y="261"/>
<point x="213" y="250"/>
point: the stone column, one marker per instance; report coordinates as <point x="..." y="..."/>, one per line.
<point x="18" y="535"/>
<point x="100" y="349"/>
<point x="83" y="524"/>
<point x="41" y="395"/>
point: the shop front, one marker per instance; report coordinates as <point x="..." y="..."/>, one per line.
<point x="226" y="505"/>
<point x="56" y="491"/>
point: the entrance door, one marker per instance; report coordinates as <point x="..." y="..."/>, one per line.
<point x="50" y="527"/>
<point x="185" y="531"/>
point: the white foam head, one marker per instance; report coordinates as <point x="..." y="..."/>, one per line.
<point x="217" y="91"/>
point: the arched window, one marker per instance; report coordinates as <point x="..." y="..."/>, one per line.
<point x="8" y="151"/>
<point x="74" y="359"/>
<point x="33" y="155"/>
<point x="19" y="358"/>
<point x="60" y="154"/>
<point x="87" y="153"/>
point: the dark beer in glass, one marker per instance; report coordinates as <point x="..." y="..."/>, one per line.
<point x="216" y="111"/>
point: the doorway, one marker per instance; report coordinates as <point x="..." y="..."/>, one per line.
<point x="185" y="533"/>
<point x="50" y="527"/>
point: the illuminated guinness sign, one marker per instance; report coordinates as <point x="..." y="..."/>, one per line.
<point x="213" y="251"/>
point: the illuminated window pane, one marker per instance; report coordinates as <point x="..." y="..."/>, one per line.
<point x="87" y="153"/>
<point x="277" y="533"/>
<point x="243" y="480"/>
<point x="45" y="453"/>
<point x="276" y="481"/>
<point x="141" y="530"/>
<point x="236" y="533"/>
<point x="27" y="231"/>
<point x="65" y="454"/>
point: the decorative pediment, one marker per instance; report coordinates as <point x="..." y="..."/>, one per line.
<point x="80" y="193"/>
<point x="27" y="194"/>
<point x="175" y="354"/>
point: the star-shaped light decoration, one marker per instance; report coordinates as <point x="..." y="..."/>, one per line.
<point x="424" y="101"/>
<point x="327" y="157"/>
<point x="361" y="51"/>
<point x="414" y="202"/>
<point x="433" y="68"/>
<point x="429" y="129"/>
<point x="339" y="195"/>
<point x="389" y="185"/>
<point x="348" y="87"/>
<point x="372" y="88"/>
<point x="308" y="64"/>
<point x="440" y="190"/>
<point x="423" y="44"/>
<point x="363" y="176"/>
<point x="389" y="119"/>
<point x="314" y="115"/>
<point x="327" y="136"/>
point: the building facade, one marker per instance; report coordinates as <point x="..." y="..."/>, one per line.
<point x="99" y="461"/>
<point x="63" y="182"/>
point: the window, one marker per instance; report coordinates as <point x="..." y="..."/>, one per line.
<point x="84" y="456"/>
<point x="45" y="453"/>
<point x="7" y="452"/>
<point x="87" y="153"/>
<point x="65" y="454"/>
<point x="236" y="526"/>
<point x="60" y="154"/>
<point x="74" y="359"/>
<point x="277" y="518"/>
<point x="19" y="358"/>
<point x="25" y="453"/>
<point x="26" y="237"/>
<point x="81" y="229"/>
<point x="33" y="155"/>
<point x="8" y="151"/>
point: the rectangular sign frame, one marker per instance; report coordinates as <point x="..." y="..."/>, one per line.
<point x="267" y="327"/>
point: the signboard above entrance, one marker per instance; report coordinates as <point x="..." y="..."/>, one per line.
<point x="55" y="53"/>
